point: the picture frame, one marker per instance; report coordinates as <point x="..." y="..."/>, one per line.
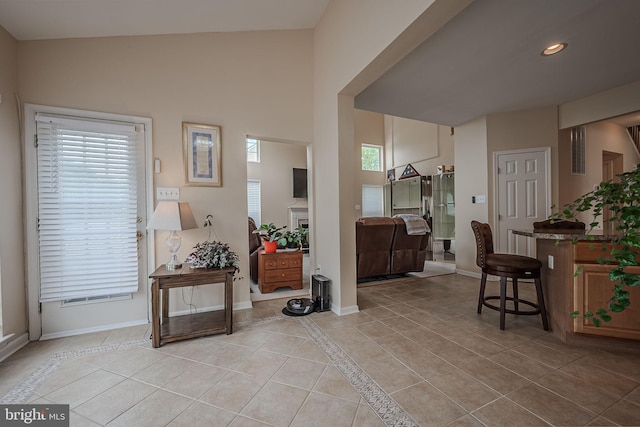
<point x="409" y="172"/>
<point x="202" y="149"/>
<point x="391" y="175"/>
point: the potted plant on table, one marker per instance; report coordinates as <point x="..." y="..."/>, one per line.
<point x="272" y="236"/>
<point x="296" y="237"/>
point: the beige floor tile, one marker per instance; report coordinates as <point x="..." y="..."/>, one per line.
<point x="76" y="420"/>
<point x="478" y="344"/>
<point x="228" y="356"/>
<point x="544" y="354"/>
<point x="131" y="361"/>
<point x="375" y="329"/>
<point x="299" y="373"/>
<point x="466" y="421"/>
<point x="156" y="410"/>
<point x="365" y="416"/>
<point x="247" y="337"/>
<point x="113" y="402"/>
<point x="128" y="334"/>
<point x="196" y="349"/>
<point x="241" y="421"/>
<point x="578" y="391"/>
<point x="378" y="312"/>
<point x="504" y="338"/>
<point x="506" y="413"/>
<point x="634" y="396"/>
<point x="232" y="392"/>
<point x="561" y="412"/>
<point x="275" y="404"/>
<point x="333" y="383"/>
<point x="281" y="343"/>
<point x="598" y="377"/>
<point x="464" y="390"/>
<point x="66" y="374"/>
<point x="427" y="405"/>
<point x="262" y="365"/>
<point x="389" y="373"/>
<point x="426" y="364"/>
<point x="340" y="413"/>
<point x="163" y="371"/>
<point x="196" y="380"/>
<point x="494" y="376"/>
<point x="84" y="388"/>
<point x="601" y="422"/>
<point x="309" y="350"/>
<point x="624" y="413"/>
<point x="521" y="364"/>
<point x="199" y="413"/>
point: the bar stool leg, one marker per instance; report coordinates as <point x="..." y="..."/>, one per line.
<point x="483" y="285"/>
<point x="543" y="309"/>
<point x="515" y="293"/>
<point x="503" y="300"/>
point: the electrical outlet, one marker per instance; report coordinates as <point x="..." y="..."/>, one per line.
<point x="168" y="193"/>
<point x="550" y="262"/>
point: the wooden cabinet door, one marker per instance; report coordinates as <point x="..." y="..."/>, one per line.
<point x="592" y="290"/>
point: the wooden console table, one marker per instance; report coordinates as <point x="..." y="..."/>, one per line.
<point x="279" y="269"/>
<point x="167" y="329"/>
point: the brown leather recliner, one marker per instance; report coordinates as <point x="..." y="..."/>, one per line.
<point x="373" y="243"/>
<point x="255" y="244"/>
<point x="408" y="252"/>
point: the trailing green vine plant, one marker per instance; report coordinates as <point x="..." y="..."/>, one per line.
<point x="622" y="198"/>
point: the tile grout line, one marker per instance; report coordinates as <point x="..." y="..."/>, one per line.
<point x="381" y="402"/>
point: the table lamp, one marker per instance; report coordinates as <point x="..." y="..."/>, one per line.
<point x="173" y="216"/>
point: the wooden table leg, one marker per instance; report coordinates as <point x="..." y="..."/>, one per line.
<point x="228" y="295"/>
<point x="155" y="315"/>
<point x="165" y="304"/>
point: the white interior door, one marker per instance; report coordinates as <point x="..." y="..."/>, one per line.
<point x="523" y="197"/>
<point x="125" y="300"/>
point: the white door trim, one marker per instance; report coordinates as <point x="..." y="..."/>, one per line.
<point x="30" y="204"/>
<point x="496" y="198"/>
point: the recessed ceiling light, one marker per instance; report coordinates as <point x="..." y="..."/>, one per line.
<point x="553" y="49"/>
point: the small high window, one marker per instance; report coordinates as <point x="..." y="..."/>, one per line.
<point x="371" y="157"/>
<point x="253" y="150"/>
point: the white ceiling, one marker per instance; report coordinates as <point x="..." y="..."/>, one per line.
<point x="486" y="60"/>
<point x="55" y="19"/>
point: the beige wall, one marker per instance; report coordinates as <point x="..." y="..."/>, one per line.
<point x="600" y="136"/>
<point x="277" y="159"/>
<point x="368" y="129"/>
<point x="471" y="179"/>
<point x="425" y="145"/>
<point x="249" y="83"/>
<point x="13" y="291"/>
<point x="522" y="129"/>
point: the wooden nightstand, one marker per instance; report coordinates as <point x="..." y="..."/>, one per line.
<point x="279" y="269"/>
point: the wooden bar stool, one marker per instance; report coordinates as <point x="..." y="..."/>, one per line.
<point x="506" y="266"/>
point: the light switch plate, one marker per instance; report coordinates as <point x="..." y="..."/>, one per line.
<point x="168" y="193"/>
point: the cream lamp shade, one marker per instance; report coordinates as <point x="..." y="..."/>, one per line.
<point x="173" y="216"/>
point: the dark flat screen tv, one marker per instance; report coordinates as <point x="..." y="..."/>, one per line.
<point x="299" y="183"/>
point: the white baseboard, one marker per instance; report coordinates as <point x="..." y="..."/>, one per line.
<point x="242" y="305"/>
<point x="10" y="347"/>
<point x="110" y="327"/>
<point x="237" y="306"/>
<point x="344" y="311"/>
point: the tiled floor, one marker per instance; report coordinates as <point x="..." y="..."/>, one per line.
<point x="417" y="346"/>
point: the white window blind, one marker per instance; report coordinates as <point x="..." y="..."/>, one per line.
<point x="253" y="150"/>
<point x="372" y="200"/>
<point x="87" y="207"/>
<point x="253" y="199"/>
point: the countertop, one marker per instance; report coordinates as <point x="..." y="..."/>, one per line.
<point x="559" y="234"/>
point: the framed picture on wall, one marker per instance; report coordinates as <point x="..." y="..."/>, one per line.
<point x="391" y="175"/>
<point x="202" y="154"/>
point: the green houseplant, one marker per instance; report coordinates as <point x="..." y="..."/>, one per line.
<point x="622" y="198"/>
<point x="213" y="255"/>
<point x="272" y="234"/>
<point x="296" y="237"/>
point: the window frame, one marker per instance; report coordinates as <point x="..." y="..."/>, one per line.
<point x="380" y="150"/>
<point x="257" y="151"/>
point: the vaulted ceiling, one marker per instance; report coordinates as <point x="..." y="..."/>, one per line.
<point x="485" y="60"/>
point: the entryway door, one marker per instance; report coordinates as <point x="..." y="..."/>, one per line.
<point x="86" y="186"/>
<point x="523" y="196"/>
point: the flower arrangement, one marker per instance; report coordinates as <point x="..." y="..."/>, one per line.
<point x="213" y="255"/>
